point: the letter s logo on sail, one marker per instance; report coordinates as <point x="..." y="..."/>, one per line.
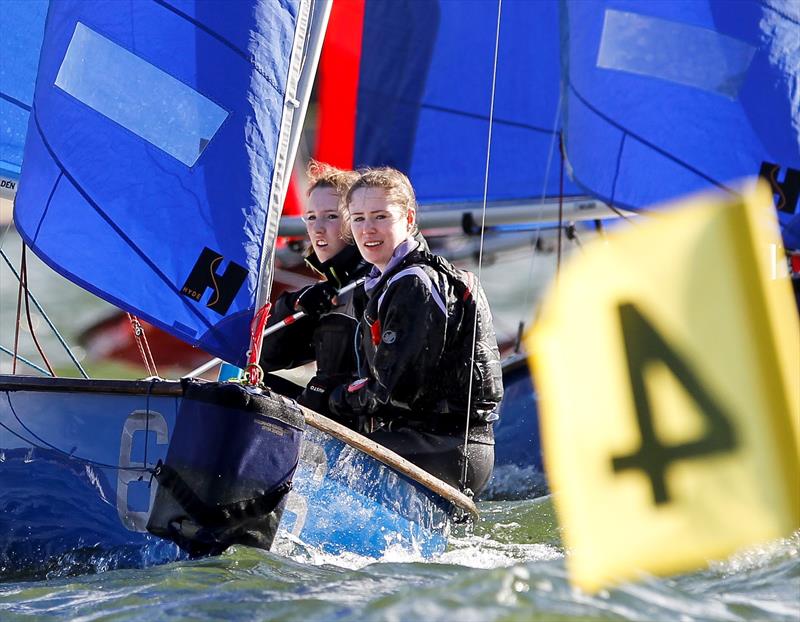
<point x="204" y="275"/>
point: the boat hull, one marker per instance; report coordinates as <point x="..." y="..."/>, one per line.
<point x="76" y="489"/>
<point x="518" y="465"/>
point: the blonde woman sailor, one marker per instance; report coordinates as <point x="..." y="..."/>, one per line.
<point x="421" y="393"/>
<point x="326" y="334"/>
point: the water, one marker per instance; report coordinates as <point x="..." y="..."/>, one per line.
<point x="510" y="567"/>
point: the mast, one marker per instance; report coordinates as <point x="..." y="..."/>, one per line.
<point x="306" y="49"/>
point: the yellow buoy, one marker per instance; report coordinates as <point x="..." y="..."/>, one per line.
<point x="667" y="360"/>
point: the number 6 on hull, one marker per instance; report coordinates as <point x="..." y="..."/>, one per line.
<point x="129" y="471"/>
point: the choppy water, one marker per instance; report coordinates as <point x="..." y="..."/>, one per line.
<point x="509" y="567"/>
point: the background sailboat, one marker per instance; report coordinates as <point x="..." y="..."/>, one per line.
<point x="653" y="101"/>
<point x="663" y="99"/>
<point x="23" y="25"/>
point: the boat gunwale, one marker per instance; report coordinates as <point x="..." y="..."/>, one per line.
<point x="154" y="386"/>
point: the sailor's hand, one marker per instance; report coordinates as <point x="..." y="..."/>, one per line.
<point x="316" y="394"/>
<point x="351" y="398"/>
<point x="317" y="299"/>
<point x="337" y="404"/>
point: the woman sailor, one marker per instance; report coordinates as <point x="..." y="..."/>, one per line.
<point x="326" y="334"/>
<point x="417" y="322"/>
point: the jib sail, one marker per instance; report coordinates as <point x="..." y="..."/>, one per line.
<point x="157" y="154"/>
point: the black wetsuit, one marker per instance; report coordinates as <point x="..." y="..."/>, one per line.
<point x="328" y="339"/>
<point x="416" y="343"/>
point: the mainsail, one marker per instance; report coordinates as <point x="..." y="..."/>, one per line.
<point x="409" y="85"/>
<point x="668" y="98"/>
<point x="158" y="153"/>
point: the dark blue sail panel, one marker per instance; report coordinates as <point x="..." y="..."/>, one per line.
<point x="22" y="28"/>
<point x="665" y="98"/>
<point x="148" y="165"/>
<point x="424" y="97"/>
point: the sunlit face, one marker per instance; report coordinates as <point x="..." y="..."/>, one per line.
<point x="323" y="223"/>
<point x="378" y="225"/>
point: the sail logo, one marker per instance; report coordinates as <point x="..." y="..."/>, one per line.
<point x="204" y="276"/>
<point x="786" y="192"/>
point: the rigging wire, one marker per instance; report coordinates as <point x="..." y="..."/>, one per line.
<point x="22" y="359"/>
<point x="539" y="228"/>
<point x="465" y="461"/>
<point x="45" y="317"/>
<point x="16" y="328"/>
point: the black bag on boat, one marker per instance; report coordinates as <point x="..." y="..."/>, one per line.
<point x="229" y="465"/>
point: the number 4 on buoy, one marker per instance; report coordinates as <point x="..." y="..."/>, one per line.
<point x="667" y="359"/>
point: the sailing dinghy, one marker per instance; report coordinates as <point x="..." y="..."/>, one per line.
<point x="157" y="157"/>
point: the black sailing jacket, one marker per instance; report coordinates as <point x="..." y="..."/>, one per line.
<point x="416" y="344"/>
<point x="328" y="340"/>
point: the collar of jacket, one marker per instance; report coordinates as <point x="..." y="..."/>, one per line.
<point x="403" y="249"/>
<point x="344" y="267"/>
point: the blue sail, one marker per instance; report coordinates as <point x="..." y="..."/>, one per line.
<point x="156" y="131"/>
<point x="423" y="97"/>
<point x="665" y="98"/>
<point x="22" y="25"/>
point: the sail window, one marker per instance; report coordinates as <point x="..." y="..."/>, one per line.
<point x="138" y="96"/>
<point x="675" y="52"/>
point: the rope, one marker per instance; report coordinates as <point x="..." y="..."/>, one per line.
<point x="45" y="317"/>
<point x="144" y="347"/>
<point x="24" y="283"/>
<point x="463" y="480"/>
<point x="254" y="375"/>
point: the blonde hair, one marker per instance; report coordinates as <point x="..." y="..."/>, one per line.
<point x="395" y="184"/>
<point x="322" y="175"/>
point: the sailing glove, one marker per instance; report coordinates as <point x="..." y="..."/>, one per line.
<point x="337" y="405"/>
<point x="317" y="299"/>
<point x="316" y="394"/>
